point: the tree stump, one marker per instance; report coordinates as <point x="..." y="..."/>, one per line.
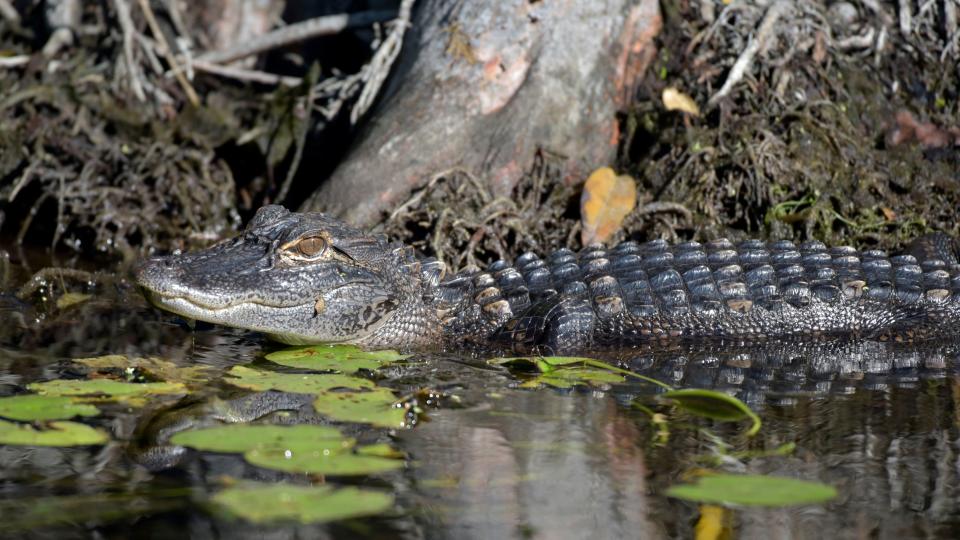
<point x="483" y="86"/>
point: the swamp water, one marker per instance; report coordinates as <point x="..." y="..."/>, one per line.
<point x="452" y="445"/>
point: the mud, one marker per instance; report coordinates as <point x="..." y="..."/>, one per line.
<point x="843" y="127"/>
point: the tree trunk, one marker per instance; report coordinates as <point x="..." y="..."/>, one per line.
<point x="484" y="86"/>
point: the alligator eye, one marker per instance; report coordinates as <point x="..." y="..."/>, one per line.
<point x="311" y="246"/>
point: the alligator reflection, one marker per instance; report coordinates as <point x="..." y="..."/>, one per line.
<point x="878" y="422"/>
<point x="780" y="371"/>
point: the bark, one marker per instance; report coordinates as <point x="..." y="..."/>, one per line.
<point x="484" y="86"/>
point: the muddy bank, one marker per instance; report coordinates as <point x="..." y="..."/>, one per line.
<point x="836" y="122"/>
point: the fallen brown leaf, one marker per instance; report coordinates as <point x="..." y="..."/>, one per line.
<point x="675" y="100"/>
<point x="605" y="202"/>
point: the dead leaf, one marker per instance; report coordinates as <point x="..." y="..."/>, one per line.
<point x="71" y="299"/>
<point x="888" y="213"/>
<point x="675" y="100"/>
<point x="605" y="201"/>
<point x="908" y="129"/>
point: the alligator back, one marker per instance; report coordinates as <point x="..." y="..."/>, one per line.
<point x="752" y="290"/>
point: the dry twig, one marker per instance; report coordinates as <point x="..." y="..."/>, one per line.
<point x="241" y="74"/>
<point x="8" y="12"/>
<point x="281" y="37"/>
<point x="756" y="44"/>
<point x="168" y="54"/>
<point x="132" y="66"/>
<point x="376" y="71"/>
<point x="14" y="61"/>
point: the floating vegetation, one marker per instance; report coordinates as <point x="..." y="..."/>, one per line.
<point x="573" y="376"/>
<point x="239" y="438"/>
<point x="378" y="407"/>
<point x="714" y="405"/>
<point x="336" y="358"/>
<point x="153" y="368"/>
<point x="105" y="389"/>
<point x="569" y="371"/>
<point x="753" y="490"/>
<point x="33" y="408"/>
<point x="255" y="379"/>
<point x="53" y="434"/>
<point x="70" y="299"/>
<point x="326" y="460"/>
<point x="300" y="449"/>
<point x="266" y="503"/>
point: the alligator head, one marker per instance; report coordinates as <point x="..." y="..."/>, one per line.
<point x="300" y="278"/>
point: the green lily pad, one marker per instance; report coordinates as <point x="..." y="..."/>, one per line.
<point x="570" y="377"/>
<point x="546" y="364"/>
<point x="299" y="383"/>
<point x="105" y="388"/>
<point x="266" y="503"/>
<point x="714" y="405"/>
<point x="157" y="368"/>
<point x="32" y="408"/>
<point x="319" y="459"/>
<point x="240" y="438"/>
<point x="339" y="358"/>
<point x="55" y="434"/>
<point x="753" y="490"/>
<point x="381" y="450"/>
<point x="378" y="407"/>
<point x="569" y="371"/>
<point x="302" y="448"/>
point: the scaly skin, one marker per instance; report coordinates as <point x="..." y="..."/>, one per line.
<point x="309" y="278"/>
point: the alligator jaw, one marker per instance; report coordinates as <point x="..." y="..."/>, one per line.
<point x="262" y="317"/>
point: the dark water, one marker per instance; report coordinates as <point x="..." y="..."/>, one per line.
<point x="496" y="461"/>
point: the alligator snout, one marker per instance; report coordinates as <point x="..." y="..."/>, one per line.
<point x="153" y="273"/>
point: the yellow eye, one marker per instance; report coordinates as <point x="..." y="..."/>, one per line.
<point x="311" y="246"/>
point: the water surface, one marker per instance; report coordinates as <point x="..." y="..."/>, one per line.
<point x="489" y="459"/>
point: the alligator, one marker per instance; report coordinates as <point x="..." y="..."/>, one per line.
<point x="304" y="278"/>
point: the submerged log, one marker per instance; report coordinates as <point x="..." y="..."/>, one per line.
<point x="483" y="86"/>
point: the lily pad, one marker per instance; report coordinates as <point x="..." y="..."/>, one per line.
<point x="266" y="503"/>
<point x="32" y="408"/>
<point x="156" y="368"/>
<point x="104" y="388"/>
<point x="714" y="405"/>
<point x="299" y="383"/>
<point x="243" y="437"/>
<point x="378" y="407"/>
<point x="753" y="490"/>
<point x="581" y="370"/>
<point x="338" y="358"/>
<point x="319" y="459"/>
<point x="381" y="450"/>
<point x="303" y="448"/>
<point x="570" y="377"/>
<point x="56" y="434"/>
